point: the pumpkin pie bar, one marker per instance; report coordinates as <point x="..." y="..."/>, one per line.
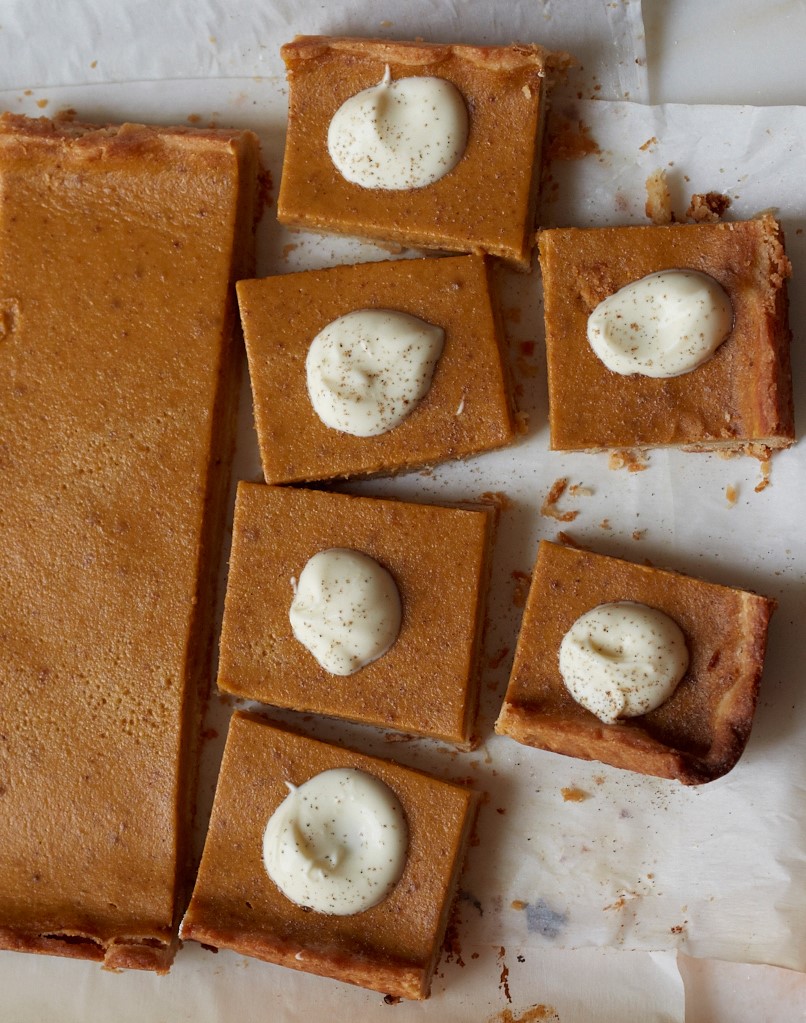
<point x="701" y="730"/>
<point x="119" y="248"/>
<point x="426" y="683"/>
<point x="392" y="946"/>
<point x="485" y="203"/>
<point x="738" y="400"/>
<point x="466" y="409"/>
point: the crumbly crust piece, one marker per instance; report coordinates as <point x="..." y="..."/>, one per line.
<point x="700" y="732"/>
<point x="392" y="947"/>
<point x="739" y="398"/>
<point x="119" y="248"/>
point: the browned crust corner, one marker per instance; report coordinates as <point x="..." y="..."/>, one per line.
<point x="419" y="52"/>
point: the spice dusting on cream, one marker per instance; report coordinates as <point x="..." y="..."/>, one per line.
<point x="368" y="370"/>
<point x="663" y="325"/>
<point x="623" y="659"/>
<point x="399" y="135"/>
<point x="346" y="610"/>
<point x="338" y="843"/>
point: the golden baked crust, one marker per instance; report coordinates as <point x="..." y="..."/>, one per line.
<point x="427" y="682"/>
<point x="700" y="732"/>
<point x="740" y="397"/>
<point x="119" y="247"/>
<point x="467" y="408"/>
<point x="486" y="204"/>
<point x="392" y="947"/>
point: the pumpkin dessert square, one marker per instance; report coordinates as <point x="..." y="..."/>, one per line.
<point x="358" y="608"/>
<point x="375" y="368"/>
<point x="329" y="861"/>
<point x="427" y="145"/>
<point x="668" y="336"/>
<point x="637" y="667"/>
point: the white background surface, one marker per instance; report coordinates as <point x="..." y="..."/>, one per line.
<point x="715" y="52"/>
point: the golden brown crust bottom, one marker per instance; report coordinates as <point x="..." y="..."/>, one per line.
<point x="702" y="729"/>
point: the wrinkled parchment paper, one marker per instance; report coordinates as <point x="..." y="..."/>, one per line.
<point x="557" y="893"/>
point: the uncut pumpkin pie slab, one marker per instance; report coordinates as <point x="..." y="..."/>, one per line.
<point x="119" y="248"/>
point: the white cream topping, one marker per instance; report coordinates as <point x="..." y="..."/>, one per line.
<point x="397" y="135"/>
<point x="368" y="370"/>
<point x="346" y="610"/>
<point x="662" y="325"/>
<point x="338" y="843"/>
<point x="623" y="659"/>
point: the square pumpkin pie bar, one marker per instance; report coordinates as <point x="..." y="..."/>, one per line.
<point x="378" y="923"/>
<point x="119" y="248"/>
<point x="738" y="399"/>
<point x="574" y="639"/>
<point x="433" y="403"/>
<point x="432" y="146"/>
<point x="421" y="674"/>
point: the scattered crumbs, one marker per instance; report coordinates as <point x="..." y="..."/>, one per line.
<point x="599" y="779"/>
<point x="525" y="368"/>
<point x="534" y="1014"/>
<point x="527" y="348"/>
<point x="731" y="495"/>
<point x="512" y="314"/>
<point x="726" y="454"/>
<point x="521" y="422"/>
<point x="574" y="795"/>
<point x="568" y="540"/>
<point x="649" y="142"/>
<point x="398" y="737"/>
<point x="474" y="955"/>
<point x="498" y="657"/>
<point x="393" y="248"/>
<point x="658" y="199"/>
<point x="93" y="64"/>
<point x="427" y="471"/>
<point x="549" y="507"/>
<point x="451" y="945"/>
<point x="604" y="524"/>
<point x="386" y="24"/>
<point x="571" y="140"/>
<point x="391" y="999"/>
<point x="209" y="948"/>
<point x="503" y="980"/>
<point x="210" y="733"/>
<point x="707" y="208"/>
<point x="679" y="928"/>
<point x="497" y="498"/>
<point x="42" y="103"/>
<point x="501" y="810"/>
<point x="580" y="490"/>
<point x="212" y="39"/>
<point x="633" y="460"/>
<point x="765" y="465"/>
<point x="193" y="118"/>
<point x="523" y="581"/>
<point x="288" y="249"/>
<point x="518" y="904"/>
<point x="28" y="92"/>
<point x="638" y="534"/>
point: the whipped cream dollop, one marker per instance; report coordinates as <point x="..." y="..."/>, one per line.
<point x="623" y="659"/>
<point x="662" y="325"/>
<point x="338" y="843"/>
<point x="346" y="610"/>
<point x="398" y="135"/>
<point x="368" y="370"/>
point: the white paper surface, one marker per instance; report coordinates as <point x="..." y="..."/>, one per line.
<point x="727" y="860"/>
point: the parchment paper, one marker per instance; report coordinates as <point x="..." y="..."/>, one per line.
<point x="554" y="887"/>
